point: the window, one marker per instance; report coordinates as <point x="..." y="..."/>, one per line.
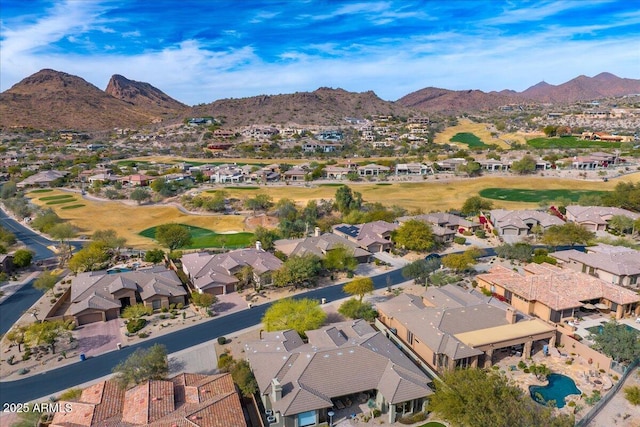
<point x="307" y="419"/>
<point x="410" y="337"/>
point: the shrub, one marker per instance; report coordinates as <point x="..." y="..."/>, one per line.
<point x="172" y="306"/>
<point x="164" y="309"/>
<point x="467" y="233"/>
<point x="376" y="413"/>
<point x="459" y="240"/>
<point x="526" y="370"/>
<point x="134" y="325"/>
<point x="222" y="340"/>
<point x="143" y="335"/>
<point x="72" y="394"/>
<point x="615" y="378"/>
<point x="632" y="394"/>
<point x="180" y="306"/>
<point x="572" y="404"/>
<point x="480" y="234"/>
<point x="420" y="416"/>
<point x="522" y="365"/>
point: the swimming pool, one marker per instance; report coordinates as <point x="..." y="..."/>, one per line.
<point x="118" y="270"/>
<point x="559" y="387"/>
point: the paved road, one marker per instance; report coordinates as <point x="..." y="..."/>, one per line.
<point x="68" y="376"/>
<point x="15" y="305"/>
<point x="37" y="243"/>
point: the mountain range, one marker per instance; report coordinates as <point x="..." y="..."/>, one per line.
<point x="53" y="100"/>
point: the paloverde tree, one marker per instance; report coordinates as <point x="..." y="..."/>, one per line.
<point x="474" y="397"/>
<point x="300" y="315"/>
<point x="340" y="259"/>
<point x="46" y="281"/>
<point x="360" y="286"/>
<point x="414" y="235"/>
<point x="47" y="332"/>
<point x="143" y="365"/>
<point x="173" y="236"/>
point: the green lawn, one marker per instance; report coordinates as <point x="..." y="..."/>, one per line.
<point x="42" y="190"/>
<point x="535" y="196"/>
<point x="332" y="185"/>
<point x="73" y="206"/>
<point x="202" y="238"/>
<point x="242" y="187"/>
<point x="433" y="424"/>
<point x="58" y="197"/>
<point x="570" y="142"/>
<point x="470" y="139"/>
<point x="61" y="201"/>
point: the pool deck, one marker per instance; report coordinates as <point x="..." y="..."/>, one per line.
<point x="585" y="377"/>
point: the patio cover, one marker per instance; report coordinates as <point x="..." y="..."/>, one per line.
<point x="589" y="306"/>
<point x="601" y="306"/>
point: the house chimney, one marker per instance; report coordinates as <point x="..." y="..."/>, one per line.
<point x="276" y="390"/>
<point x="316" y="232"/>
<point x="511" y="315"/>
<point x="258" y="245"/>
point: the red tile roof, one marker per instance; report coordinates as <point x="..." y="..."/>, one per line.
<point x="184" y="400"/>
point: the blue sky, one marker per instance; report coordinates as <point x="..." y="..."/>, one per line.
<point x="202" y="50"/>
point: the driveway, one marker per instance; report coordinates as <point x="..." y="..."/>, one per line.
<point x="100" y="337"/>
<point x="394" y="261"/>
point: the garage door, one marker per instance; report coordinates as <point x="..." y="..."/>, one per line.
<point x="89" y="318"/>
<point x="216" y="290"/>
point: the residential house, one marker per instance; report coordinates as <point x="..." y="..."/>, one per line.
<point x="136" y="180"/>
<point x="297" y="173"/>
<point x="413" y="169"/>
<point x="323" y="147"/>
<point x="516" y="225"/>
<point x="184" y="400"/>
<point x="219" y="274"/>
<point x="373" y="169"/>
<point x="613" y="264"/>
<point x="330" y="135"/>
<point x="450" y="165"/>
<point x="42" y="179"/>
<point x="372" y="236"/>
<point x="344" y="364"/>
<point x="319" y="245"/>
<point x="493" y="165"/>
<point x="99" y="295"/>
<point x="334" y="172"/>
<point x="445" y="220"/>
<point x="596" y="218"/>
<point x="449" y="327"/>
<point x="554" y="294"/>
